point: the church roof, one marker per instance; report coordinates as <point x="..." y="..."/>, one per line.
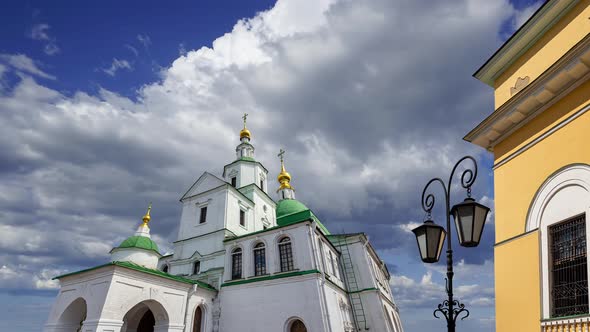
<point x="141" y="242"/>
<point x="140" y="268"/>
<point x="290" y="211"/>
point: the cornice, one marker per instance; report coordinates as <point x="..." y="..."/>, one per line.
<point x="561" y="78"/>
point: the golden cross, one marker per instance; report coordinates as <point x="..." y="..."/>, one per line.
<point x="280" y="155"/>
<point x="244" y="117"/>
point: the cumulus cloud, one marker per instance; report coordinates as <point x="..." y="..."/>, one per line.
<point x="23" y="63"/>
<point x="117" y="65"/>
<point x="369" y="98"/>
<point x="40" y="32"/>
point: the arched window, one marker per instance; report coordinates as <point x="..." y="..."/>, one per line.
<point x="259" y="259"/>
<point x="297" y="326"/>
<point x="236" y="264"/>
<point x="165" y="268"/>
<point x="286" y="254"/>
<point x="198" y="320"/>
<point x="197" y="267"/>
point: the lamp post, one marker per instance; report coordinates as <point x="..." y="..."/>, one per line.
<point x="469" y="217"/>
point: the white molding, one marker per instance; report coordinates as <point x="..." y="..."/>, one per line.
<point x="565" y="194"/>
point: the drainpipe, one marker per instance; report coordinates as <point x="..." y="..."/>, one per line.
<point x="323" y="299"/>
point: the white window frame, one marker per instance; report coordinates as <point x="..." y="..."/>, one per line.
<point x="563" y="195"/>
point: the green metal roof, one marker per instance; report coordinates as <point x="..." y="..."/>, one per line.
<point x="143" y="269"/>
<point x="141" y="242"/>
<point x="290" y="211"/>
<point x="247" y="159"/>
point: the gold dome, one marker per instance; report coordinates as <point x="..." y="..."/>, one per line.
<point x="245" y="133"/>
<point x="284" y="177"/>
<point x="146" y="218"/>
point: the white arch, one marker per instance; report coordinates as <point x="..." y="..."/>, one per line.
<point x="571" y="177"/>
<point x="204" y="317"/>
<point x="73" y="315"/>
<point x="565" y="194"/>
<point x="292" y="320"/>
<point x="133" y="316"/>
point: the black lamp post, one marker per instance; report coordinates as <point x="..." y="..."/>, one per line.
<point x="470" y="218"/>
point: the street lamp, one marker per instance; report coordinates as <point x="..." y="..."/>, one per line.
<point x="469" y="217"/>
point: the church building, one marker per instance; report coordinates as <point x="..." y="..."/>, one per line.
<point x="241" y="262"/>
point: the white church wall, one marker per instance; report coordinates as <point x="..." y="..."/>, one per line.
<point x="235" y="203"/>
<point x="215" y="201"/>
<point x="300" y="245"/>
<point x="141" y="257"/>
<point x="208" y="249"/>
<point x="268" y="305"/>
<point x="338" y="308"/>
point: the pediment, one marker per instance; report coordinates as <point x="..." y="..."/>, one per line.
<point x="204" y="183"/>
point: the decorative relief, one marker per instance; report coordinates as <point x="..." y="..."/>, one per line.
<point x="521" y="82"/>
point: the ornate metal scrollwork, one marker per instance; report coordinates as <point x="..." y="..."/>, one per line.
<point x="458" y="308"/>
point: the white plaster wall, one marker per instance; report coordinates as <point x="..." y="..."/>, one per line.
<point x="141" y="257"/>
<point x="302" y="252"/>
<point x="340" y="318"/>
<point x="232" y="213"/>
<point x="268" y="305"/>
<point x="191" y="210"/>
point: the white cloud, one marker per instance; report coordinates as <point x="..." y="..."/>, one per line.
<point x="23" y="63"/>
<point x="132" y="49"/>
<point x="145" y="40"/>
<point x="524" y="14"/>
<point x="116" y="65"/>
<point x="40" y="32"/>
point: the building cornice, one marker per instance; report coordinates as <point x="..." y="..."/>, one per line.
<point x="569" y="72"/>
<point x="523" y="39"/>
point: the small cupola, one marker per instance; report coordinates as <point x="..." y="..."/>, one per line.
<point x="139" y="249"/>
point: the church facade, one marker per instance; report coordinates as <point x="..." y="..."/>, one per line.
<point x="242" y="262"/>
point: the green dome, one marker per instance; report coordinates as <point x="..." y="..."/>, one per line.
<point x="286" y="207"/>
<point x="139" y="242"/>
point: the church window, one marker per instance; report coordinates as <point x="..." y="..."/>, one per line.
<point x="286" y="254"/>
<point x="321" y="252"/>
<point x="242" y="218"/>
<point x="259" y="260"/>
<point x="262" y="184"/>
<point x="332" y="264"/>
<point x="297" y="326"/>
<point x="568" y="268"/>
<point x="236" y="264"/>
<point x="203" y="216"/>
<point x="165" y="268"/>
<point x="234" y="181"/>
<point x="197" y="267"/>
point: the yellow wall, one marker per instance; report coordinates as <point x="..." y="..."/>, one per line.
<point x="517" y="181"/>
<point x="551" y="47"/>
<point x="518" y="298"/>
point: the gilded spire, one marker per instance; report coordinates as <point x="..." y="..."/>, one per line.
<point x="284" y="177"/>
<point x="245" y="133"/>
<point x="146" y="218"/>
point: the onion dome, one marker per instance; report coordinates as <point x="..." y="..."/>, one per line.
<point x="140" y="248"/>
<point x="245" y="133"/>
<point x="287" y="207"/>
<point x="140" y="242"/>
<point x="284" y="177"/>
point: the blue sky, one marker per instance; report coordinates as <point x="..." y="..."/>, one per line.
<point x="107" y="106"/>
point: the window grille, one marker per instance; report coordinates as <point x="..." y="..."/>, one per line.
<point x="569" y="274"/>
<point x="259" y="260"/>
<point x="203" y="217"/>
<point x="236" y="264"/>
<point x="286" y="254"/>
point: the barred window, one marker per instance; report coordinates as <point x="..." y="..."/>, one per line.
<point x="569" y="273"/>
<point x="286" y="254"/>
<point x="236" y="264"/>
<point x="259" y="260"/>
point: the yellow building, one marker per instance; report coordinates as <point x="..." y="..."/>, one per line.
<point x="539" y="134"/>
